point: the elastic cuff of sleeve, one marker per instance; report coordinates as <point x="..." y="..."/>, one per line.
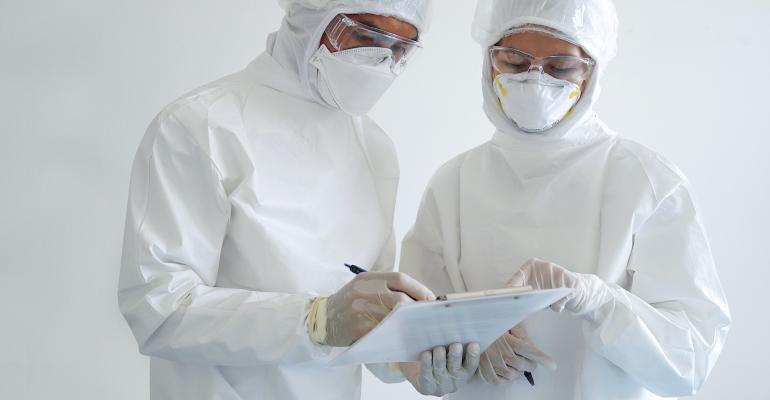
<point x="316" y="321"/>
<point x="604" y="299"/>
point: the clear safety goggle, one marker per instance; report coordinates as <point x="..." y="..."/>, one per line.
<point x="344" y="33"/>
<point x="506" y="60"/>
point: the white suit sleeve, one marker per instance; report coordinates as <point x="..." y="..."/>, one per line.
<point x="176" y="222"/>
<point x="668" y="329"/>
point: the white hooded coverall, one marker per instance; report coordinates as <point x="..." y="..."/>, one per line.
<point x="247" y="197"/>
<point x="582" y="197"/>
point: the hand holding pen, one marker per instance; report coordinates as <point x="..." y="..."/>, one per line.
<point x="527" y="374"/>
<point x="354" y="310"/>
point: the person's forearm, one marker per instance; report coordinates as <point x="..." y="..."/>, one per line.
<point x="219" y="326"/>
<point x="661" y="345"/>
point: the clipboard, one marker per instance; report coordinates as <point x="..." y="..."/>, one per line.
<point x="413" y="328"/>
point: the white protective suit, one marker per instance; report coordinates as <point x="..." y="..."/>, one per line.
<point x="582" y="197"/>
<point x="247" y="197"/>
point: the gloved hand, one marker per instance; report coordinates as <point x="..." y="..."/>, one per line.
<point x="510" y="356"/>
<point x="589" y="292"/>
<point x="441" y="371"/>
<point x="359" y="306"/>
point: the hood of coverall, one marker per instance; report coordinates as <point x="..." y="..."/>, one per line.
<point x="591" y="24"/>
<point x="299" y="36"/>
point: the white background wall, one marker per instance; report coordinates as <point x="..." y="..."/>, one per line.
<point x="81" y="79"/>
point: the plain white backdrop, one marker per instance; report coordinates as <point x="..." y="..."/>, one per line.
<point x="80" y="80"/>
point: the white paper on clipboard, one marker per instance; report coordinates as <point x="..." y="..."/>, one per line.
<point x="413" y="328"/>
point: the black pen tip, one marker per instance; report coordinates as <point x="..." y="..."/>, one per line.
<point x="530" y="378"/>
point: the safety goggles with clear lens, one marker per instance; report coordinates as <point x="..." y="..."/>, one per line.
<point x="506" y="60"/>
<point x="344" y="33"/>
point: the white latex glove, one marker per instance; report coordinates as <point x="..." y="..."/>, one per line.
<point x="510" y="356"/>
<point x="589" y="292"/>
<point x="441" y="371"/>
<point x="360" y="305"/>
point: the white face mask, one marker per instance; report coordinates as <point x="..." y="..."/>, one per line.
<point x="353" y="80"/>
<point x="535" y="101"/>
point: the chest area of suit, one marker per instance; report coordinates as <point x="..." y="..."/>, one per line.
<point x="515" y="210"/>
<point x="310" y="204"/>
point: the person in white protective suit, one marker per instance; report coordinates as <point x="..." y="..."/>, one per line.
<point x="247" y="198"/>
<point x="556" y="199"/>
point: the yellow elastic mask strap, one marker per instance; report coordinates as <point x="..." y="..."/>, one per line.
<point x="575" y="93"/>
<point x="503" y="90"/>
